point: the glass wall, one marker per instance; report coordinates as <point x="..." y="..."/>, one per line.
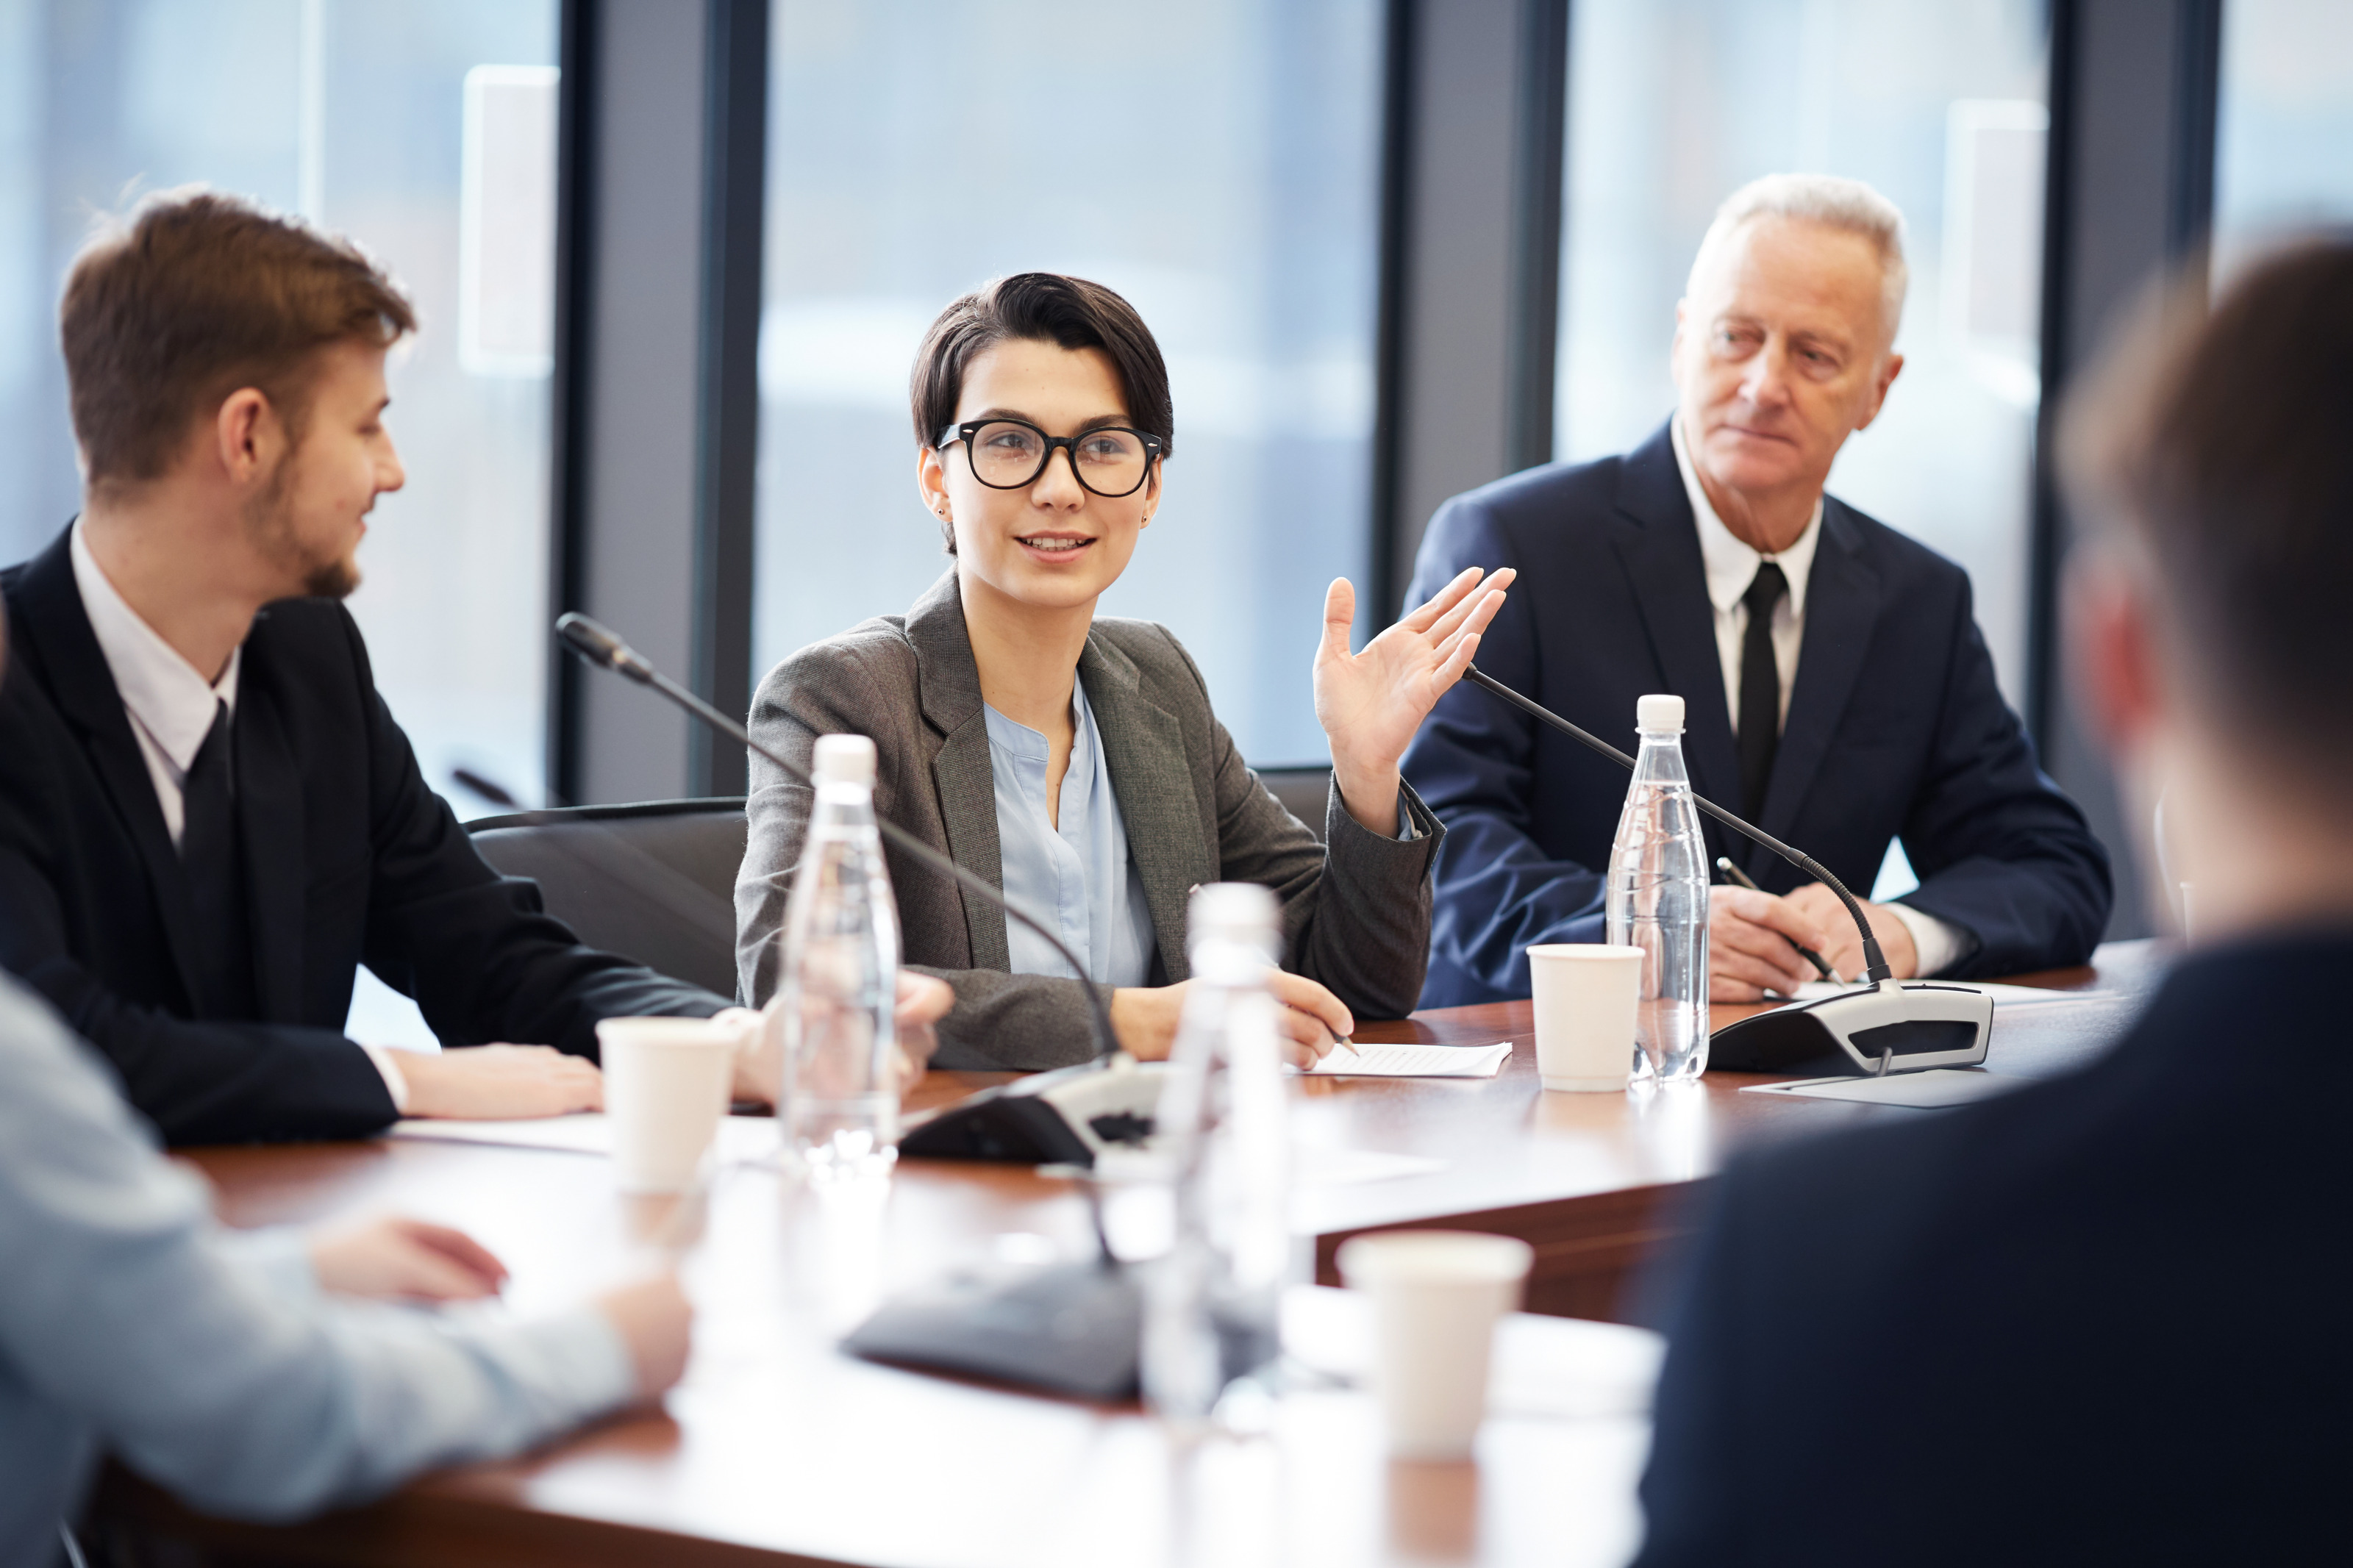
<point x="358" y="116"/>
<point x="1940" y="104"/>
<point x="1217" y="163"/>
<point x="2284" y="153"/>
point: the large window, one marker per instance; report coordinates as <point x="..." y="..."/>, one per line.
<point x="2284" y="156"/>
<point x="1214" y="163"/>
<point x="358" y="116"/>
<point x="1938" y="105"/>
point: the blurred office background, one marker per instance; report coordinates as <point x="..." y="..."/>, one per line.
<point x="673" y="256"/>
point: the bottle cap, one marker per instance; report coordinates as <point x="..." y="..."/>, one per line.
<point x="844" y="759"/>
<point x="1233" y="911"/>
<point x="1659" y="714"/>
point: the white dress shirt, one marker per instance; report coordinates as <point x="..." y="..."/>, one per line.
<point x="1731" y="564"/>
<point x="171" y="707"/>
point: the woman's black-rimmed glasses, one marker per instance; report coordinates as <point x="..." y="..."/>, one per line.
<point x="1010" y="454"/>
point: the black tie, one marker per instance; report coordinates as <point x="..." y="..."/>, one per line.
<point x="209" y="857"/>
<point x="1760" y="687"/>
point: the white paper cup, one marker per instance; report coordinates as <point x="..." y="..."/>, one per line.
<point x="1436" y="1295"/>
<point x="1585" y="996"/>
<point x="666" y="1083"/>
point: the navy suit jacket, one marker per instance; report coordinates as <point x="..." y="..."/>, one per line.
<point x="1895" y="728"/>
<point x="348" y="857"/>
<point x="2099" y="1319"/>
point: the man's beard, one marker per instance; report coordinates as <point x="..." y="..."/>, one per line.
<point x="270" y="524"/>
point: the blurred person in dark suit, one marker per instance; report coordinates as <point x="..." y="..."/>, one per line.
<point x="2099" y="1319"/>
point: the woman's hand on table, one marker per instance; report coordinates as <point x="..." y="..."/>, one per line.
<point x="923" y="1002"/>
<point x="1310" y="1021"/>
<point x="1370" y="703"/>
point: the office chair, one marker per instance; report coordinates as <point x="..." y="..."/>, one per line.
<point x="1302" y="792"/>
<point x="653" y="882"/>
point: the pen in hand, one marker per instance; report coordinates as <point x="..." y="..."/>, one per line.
<point x="1724" y="864"/>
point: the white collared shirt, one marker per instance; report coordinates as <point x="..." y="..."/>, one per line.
<point x="170" y="702"/>
<point x="1731" y="564"/>
<point x="171" y="707"/>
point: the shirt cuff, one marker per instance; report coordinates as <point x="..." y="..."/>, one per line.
<point x="395" y="1082"/>
<point x="1940" y="944"/>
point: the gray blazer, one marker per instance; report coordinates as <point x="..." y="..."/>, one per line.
<point x="1356" y="916"/>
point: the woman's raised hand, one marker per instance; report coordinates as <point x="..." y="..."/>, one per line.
<point x="1370" y="703"/>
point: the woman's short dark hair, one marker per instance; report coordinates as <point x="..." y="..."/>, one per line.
<point x="2218" y="441"/>
<point x="1044" y="308"/>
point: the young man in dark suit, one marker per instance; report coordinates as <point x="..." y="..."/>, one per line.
<point x="1840" y="694"/>
<point x="2100" y="1320"/>
<point x="208" y="818"/>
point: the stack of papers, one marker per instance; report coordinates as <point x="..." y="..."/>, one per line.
<point x="1414" y="1062"/>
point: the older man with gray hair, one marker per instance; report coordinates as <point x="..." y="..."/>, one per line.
<point x="1837" y="689"/>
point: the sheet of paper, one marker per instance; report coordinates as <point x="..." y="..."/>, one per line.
<point x="1931" y="1090"/>
<point x="1345" y="1167"/>
<point x="1415" y="1061"/>
<point x="743" y="1140"/>
<point x="2003" y="995"/>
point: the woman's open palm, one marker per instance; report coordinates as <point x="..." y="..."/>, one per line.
<point x="1370" y="703"/>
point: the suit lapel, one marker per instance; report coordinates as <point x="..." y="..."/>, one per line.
<point x="56" y="627"/>
<point x="1660" y="551"/>
<point x="1843" y="598"/>
<point x="1144" y="745"/>
<point x="947" y="686"/>
<point x="270" y="824"/>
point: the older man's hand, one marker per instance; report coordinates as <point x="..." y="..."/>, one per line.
<point x="1842" y="944"/>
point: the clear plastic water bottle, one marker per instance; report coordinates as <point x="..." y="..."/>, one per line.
<point x="839" y="988"/>
<point x="1213" y="1304"/>
<point x="1658" y="899"/>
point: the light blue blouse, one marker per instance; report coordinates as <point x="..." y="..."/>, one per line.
<point x="1078" y="877"/>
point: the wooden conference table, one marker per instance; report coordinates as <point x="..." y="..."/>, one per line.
<point x="779" y="1449"/>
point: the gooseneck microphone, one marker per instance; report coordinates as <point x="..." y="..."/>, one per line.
<point x="1071" y="1328"/>
<point x="1064" y="1117"/>
<point x="1884" y="1027"/>
<point x="1875" y="962"/>
<point x="599" y="646"/>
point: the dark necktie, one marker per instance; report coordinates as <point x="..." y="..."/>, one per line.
<point x="209" y="858"/>
<point x="1760" y="687"/>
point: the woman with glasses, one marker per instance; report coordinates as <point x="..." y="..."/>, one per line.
<point x="1075" y="761"/>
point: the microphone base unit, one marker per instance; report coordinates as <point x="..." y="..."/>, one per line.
<point x="1893" y="1027"/>
<point x="1066" y="1117"/>
<point x="1073" y="1329"/>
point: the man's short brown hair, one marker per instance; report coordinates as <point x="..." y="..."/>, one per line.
<point x="197" y="295"/>
<point x="2221" y="445"/>
<point x="1046" y="307"/>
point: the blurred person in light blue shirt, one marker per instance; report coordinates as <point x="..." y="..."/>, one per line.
<point x="222" y="1365"/>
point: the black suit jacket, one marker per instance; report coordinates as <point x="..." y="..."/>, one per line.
<point x="2101" y="1319"/>
<point x="349" y="858"/>
<point x="1895" y="727"/>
